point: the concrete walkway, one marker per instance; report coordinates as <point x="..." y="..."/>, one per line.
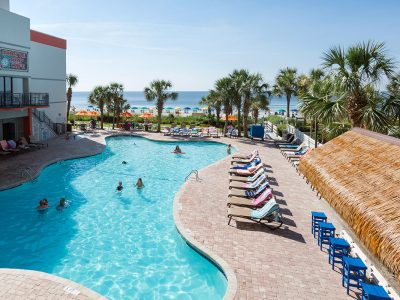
<point x="281" y="264"/>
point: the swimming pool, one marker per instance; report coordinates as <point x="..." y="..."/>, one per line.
<point x="122" y="245"/>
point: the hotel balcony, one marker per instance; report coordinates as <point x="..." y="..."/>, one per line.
<point x="21" y="100"/>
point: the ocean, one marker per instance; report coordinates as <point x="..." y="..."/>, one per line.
<point x="185" y="99"/>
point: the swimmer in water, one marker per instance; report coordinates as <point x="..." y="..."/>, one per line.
<point x="62" y="204"/>
<point x="139" y="184"/>
<point x="119" y="187"/>
<point x="43" y="204"/>
<point x="178" y="150"/>
<point x="124" y="162"/>
<point x="229" y="149"/>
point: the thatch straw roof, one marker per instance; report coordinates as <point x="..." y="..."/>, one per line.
<point x="358" y="173"/>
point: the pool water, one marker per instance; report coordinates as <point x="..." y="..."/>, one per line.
<point x="122" y="245"/>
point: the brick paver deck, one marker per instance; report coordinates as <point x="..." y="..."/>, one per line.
<point x="281" y="264"/>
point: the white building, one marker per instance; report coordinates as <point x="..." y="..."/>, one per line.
<point x="32" y="79"/>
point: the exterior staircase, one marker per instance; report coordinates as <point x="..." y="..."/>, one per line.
<point x="43" y="127"/>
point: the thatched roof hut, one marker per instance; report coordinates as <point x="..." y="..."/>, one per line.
<point x="358" y="173"/>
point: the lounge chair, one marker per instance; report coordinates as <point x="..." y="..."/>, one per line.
<point x="269" y="213"/>
<point x="301" y="151"/>
<point x="175" y="131"/>
<point x="295" y="149"/>
<point x="289" y="138"/>
<point x="249" y="193"/>
<point x="298" y="155"/>
<point x="204" y="132"/>
<point x="194" y="132"/>
<point x="234" y="134"/>
<point x="245" y="161"/>
<point x="6" y="147"/>
<point x="255" y="162"/>
<point x="239" y="156"/>
<point x="252" y="202"/>
<point x="293" y="144"/>
<point x="25" y="143"/>
<point x="248" y="185"/>
<point x="251" y="178"/>
<point x="166" y="131"/>
<point x="247" y="172"/>
<point x="213" y="132"/>
<point x="185" y="132"/>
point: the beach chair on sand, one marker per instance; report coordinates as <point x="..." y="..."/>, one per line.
<point x="269" y="215"/>
<point x="247" y="179"/>
<point x="239" y="156"/>
<point x="252" y="202"/>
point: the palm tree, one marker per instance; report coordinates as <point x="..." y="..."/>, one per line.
<point x="207" y="101"/>
<point x="357" y="69"/>
<point x="238" y="80"/>
<point x="216" y="103"/>
<point x="115" y="97"/>
<point x="72" y="80"/>
<point x="223" y="88"/>
<point x="392" y="105"/>
<point x="286" y="84"/>
<point x="254" y="89"/>
<point x="260" y="100"/>
<point x="159" y="90"/>
<point x="99" y="97"/>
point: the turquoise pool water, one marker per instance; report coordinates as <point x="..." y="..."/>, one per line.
<point x="122" y="245"/>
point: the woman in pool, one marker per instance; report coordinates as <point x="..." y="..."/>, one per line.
<point x="43" y="204"/>
<point x="139" y="184"/>
<point x="178" y="150"/>
<point x="119" y="187"/>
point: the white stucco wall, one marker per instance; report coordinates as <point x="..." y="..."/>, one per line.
<point x="48" y="70"/>
<point x="5" y="4"/>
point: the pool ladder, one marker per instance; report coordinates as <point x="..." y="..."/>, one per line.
<point x="27" y="172"/>
<point x="193" y="172"/>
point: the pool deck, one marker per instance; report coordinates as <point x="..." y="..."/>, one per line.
<point x="259" y="263"/>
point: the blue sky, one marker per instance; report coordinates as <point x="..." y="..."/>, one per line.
<point x="193" y="43"/>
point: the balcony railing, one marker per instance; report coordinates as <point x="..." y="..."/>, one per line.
<point x="20" y="100"/>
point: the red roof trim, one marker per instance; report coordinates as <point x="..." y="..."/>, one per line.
<point x="46" y="39"/>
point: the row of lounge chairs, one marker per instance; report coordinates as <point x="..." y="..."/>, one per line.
<point x="192" y="131"/>
<point x="291" y="149"/>
<point x="250" y="195"/>
<point x="12" y="147"/>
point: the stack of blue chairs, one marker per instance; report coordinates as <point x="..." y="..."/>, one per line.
<point x="354" y="269"/>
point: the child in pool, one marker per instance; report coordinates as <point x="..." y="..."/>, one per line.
<point x="178" y="150"/>
<point x="119" y="187"/>
<point x="43" y="204"/>
<point x="62" y="204"/>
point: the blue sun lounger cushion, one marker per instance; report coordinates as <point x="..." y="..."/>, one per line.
<point x="252" y="164"/>
<point x="266" y="210"/>
<point x="259" y="190"/>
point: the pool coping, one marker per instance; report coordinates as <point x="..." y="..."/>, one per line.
<point x="221" y="264"/>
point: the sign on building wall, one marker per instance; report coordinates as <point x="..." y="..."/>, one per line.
<point x="13" y="60"/>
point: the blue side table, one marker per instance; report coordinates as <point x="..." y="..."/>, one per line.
<point x="338" y="248"/>
<point x="354" y="270"/>
<point x="325" y="232"/>
<point x="316" y="218"/>
<point x="373" y="292"/>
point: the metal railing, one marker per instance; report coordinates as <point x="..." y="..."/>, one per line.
<point x="20" y="100"/>
<point x="58" y="128"/>
<point x="193" y="172"/>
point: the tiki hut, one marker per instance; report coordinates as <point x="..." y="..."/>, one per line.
<point x="358" y="173"/>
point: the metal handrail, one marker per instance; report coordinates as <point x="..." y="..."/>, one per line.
<point x="193" y="172"/>
<point x="20" y="100"/>
<point x="27" y="172"/>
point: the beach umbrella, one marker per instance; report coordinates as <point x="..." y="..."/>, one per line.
<point x="178" y="108"/>
<point x="169" y="108"/>
<point x="204" y="108"/>
<point x="187" y="108"/>
<point x="196" y="108"/>
<point x="126" y="114"/>
<point x="134" y="107"/>
<point x="146" y="115"/>
<point x="144" y="107"/>
<point x="281" y="110"/>
<point x="294" y="110"/>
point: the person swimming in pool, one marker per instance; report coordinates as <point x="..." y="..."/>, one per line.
<point x="229" y="149"/>
<point x="178" y="150"/>
<point x="119" y="187"/>
<point x="139" y="184"/>
<point x="124" y="162"/>
<point x="43" y="204"/>
<point x="62" y="204"/>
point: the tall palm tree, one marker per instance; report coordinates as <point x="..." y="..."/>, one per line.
<point x="216" y="103"/>
<point x="392" y="105"/>
<point x="98" y="97"/>
<point x="260" y="100"/>
<point x="223" y="88"/>
<point x="207" y="101"/>
<point x="72" y="80"/>
<point x="159" y="90"/>
<point x="115" y="97"/>
<point x="286" y="84"/>
<point x="356" y="69"/>
<point x="239" y="78"/>
<point x="254" y="89"/>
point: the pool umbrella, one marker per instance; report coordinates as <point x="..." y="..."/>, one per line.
<point x="230" y="118"/>
<point x="93" y="113"/>
<point x="146" y="115"/>
<point x="82" y="113"/>
<point x="126" y="114"/>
